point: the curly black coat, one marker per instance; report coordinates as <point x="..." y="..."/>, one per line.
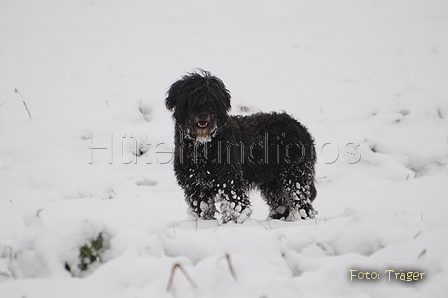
<point x="219" y="158"/>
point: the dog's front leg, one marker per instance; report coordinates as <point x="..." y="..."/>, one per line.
<point x="225" y="204"/>
<point x="233" y="203"/>
<point x="201" y="204"/>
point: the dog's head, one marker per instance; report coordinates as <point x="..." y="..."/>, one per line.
<point x="200" y="103"/>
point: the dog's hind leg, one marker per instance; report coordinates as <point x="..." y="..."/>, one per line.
<point x="299" y="183"/>
<point x="303" y="195"/>
<point x="279" y="201"/>
<point x="290" y="197"/>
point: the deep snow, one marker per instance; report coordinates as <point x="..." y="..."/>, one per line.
<point x="367" y="77"/>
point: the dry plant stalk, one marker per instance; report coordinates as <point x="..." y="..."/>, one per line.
<point x="232" y="271"/>
<point x="1" y="105"/>
<point x="170" y="281"/>
<point x="24" y="103"/>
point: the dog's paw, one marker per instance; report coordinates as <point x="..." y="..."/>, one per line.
<point x="204" y="213"/>
<point x="245" y="214"/>
<point x="191" y="214"/>
<point x="305" y="211"/>
<point x="231" y="211"/>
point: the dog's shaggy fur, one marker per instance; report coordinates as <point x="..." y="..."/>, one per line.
<point x="219" y="158"/>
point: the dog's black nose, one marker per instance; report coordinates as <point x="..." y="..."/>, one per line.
<point x="203" y="115"/>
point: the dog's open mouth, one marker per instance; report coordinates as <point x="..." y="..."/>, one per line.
<point x="202" y="124"/>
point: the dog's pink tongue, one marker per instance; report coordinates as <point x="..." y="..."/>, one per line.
<point x="202" y="123"/>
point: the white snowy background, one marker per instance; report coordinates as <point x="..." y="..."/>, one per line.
<point x="369" y="78"/>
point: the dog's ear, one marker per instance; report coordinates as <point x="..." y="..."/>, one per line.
<point x="173" y="95"/>
<point x="223" y="93"/>
<point x="227" y="101"/>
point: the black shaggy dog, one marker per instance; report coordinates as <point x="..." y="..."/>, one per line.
<point x="219" y="158"/>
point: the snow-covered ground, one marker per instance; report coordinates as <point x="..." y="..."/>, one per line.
<point x="369" y="79"/>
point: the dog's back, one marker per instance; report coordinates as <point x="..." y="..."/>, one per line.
<point x="270" y="140"/>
